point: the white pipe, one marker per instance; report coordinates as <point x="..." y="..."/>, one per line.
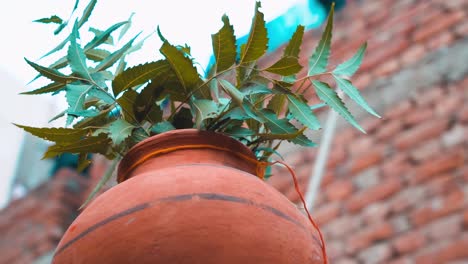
<point x="322" y="157"/>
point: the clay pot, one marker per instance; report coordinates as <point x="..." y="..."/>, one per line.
<point x="198" y="205"/>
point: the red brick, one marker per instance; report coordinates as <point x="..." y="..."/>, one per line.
<point x="435" y="26"/>
<point x="408" y="199"/>
<point x="339" y="190"/>
<point x="385" y="52"/>
<point x="416" y="135"/>
<point x="431" y="13"/>
<point x="346" y="261"/>
<point x="438" y="207"/>
<point x="428" y="97"/>
<point x="384" y="190"/>
<point x="367" y="236"/>
<point x="389" y="129"/>
<point x="406" y="15"/>
<point x="337" y="155"/>
<point x="463" y="114"/>
<point x="426" y="151"/>
<point x="379" y="253"/>
<point x="409" y="242"/>
<point x="413" y="54"/>
<point x="443" y="184"/>
<point x="455" y="250"/>
<point x="360" y="145"/>
<point x="418" y="116"/>
<point x="342" y="226"/>
<point x="327" y="212"/>
<point x="438" y="165"/>
<point x="448" y="104"/>
<point x="443" y="40"/>
<point x="401" y="260"/>
<point x="361" y="81"/>
<point x="387" y="68"/>
<point x="371" y="124"/>
<point x="376" y="212"/>
<point x="344" y="137"/>
<point x="367" y="159"/>
<point x="465" y="219"/>
<point x="335" y="250"/>
<point x="399" y="110"/>
<point x="444" y="228"/>
<point x="462" y="29"/>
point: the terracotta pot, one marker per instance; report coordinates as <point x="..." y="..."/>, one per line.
<point x="197" y="205"/>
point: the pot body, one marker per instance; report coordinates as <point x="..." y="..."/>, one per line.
<point x="195" y="205"/>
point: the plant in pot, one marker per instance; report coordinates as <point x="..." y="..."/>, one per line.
<point x="192" y="151"/>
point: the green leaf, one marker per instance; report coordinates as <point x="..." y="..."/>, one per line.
<point x="119" y="130"/>
<point x="51" y="74"/>
<point x="94" y="144"/>
<point x="303" y="141"/>
<point x="114" y="57"/>
<point x="101" y="38"/>
<point x="76" y="95"/>
<point x="124" y="30"/>
<point x="75" y="6"/>
<point x="347" y="87"/>
<point x="182" y="66"/>
<point x="147" y="98"/>
<point x="87" y="13"/>
<point x="83" y="162"/>
<point x="224" y="46"/>
<point x="239" y="132"/>
<point x="97" y="121"/>
<point x="97" y="54"/>
<point x="60" y="28"/>
<point x="139" y="74"/>
<point x="162" y="127"/>
<point x="53" y="19"/>
<point x="101" y="95"/>
<point x="76" y="56"/>
<point x="155" y="114"/>
<point x="127" y="103"/>
<point x="328" y="96"/>
<point x="302" y="112"/>
<point x="349" y="67"/>
<point x="97" y="32"/>
<point x="319" y="60"/>
<point x="294" y="45"/>
<point x="277" y="103"/>
<point x="50" y="88"/>
<point x="120" y="67"/>
<point x="257" y="42"/>
<point x="60" y="63"/>
<point x="285" y="66"/>
<point x="204" y="109"/>
<point x="160" y="35"/>
<point x="101" y="183"/>
<point x="57" y="48"/>
<point x="283" y="129"/>
<point x="59" y="135"/>
<point x="235" y="94"/>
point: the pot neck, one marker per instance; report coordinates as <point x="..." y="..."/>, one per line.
<point x="187" y="146"/>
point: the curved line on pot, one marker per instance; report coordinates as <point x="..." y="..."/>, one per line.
<point x="182" y="198"/>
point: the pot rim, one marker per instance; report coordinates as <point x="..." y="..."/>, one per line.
<point x="174" y="138"/>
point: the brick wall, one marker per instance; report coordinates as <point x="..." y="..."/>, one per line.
<point x="32" y="226"/>
<point x="398" y="194"/>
